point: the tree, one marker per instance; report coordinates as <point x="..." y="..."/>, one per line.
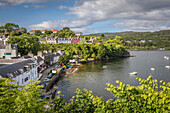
<point x="37" y="32"/>
<point x="26" y="43"/>
<point x="102" y="35"/>
<point x="48" y="32"/>
<point x="11" y="27"/>
<point x="2" y="29"/>
<point x="24" y="29"/>
<point x="18" y="99"/>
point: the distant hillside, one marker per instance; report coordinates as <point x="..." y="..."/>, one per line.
<point x="159" y="38"/>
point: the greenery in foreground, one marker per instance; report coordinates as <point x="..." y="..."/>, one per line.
<point x="144" y="98"/>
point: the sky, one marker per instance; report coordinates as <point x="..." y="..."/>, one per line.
<point x="87" y="16"/>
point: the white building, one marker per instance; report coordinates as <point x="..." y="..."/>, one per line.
<point x="21" y="70"/>
<point x="79" y="33"/>
<point x="8" y="51"/>
<point x="63" y="40"/>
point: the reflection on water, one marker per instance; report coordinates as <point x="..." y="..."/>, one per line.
<point x="94" y="76"/>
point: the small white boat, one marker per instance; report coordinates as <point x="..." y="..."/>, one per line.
<point x="168" y="67"/>
<point x="165" y="57"/>
<point x="133" y="73"/>
<point x="152" y="69"/>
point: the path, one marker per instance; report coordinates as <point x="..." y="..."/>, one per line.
<point x="45" y="72"/>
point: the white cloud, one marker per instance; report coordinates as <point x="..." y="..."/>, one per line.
<point x="62" y="7"/>
<point x="26" y="6"/>
<point x="135" y="14"/>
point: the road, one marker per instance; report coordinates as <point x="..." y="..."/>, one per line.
<point x="45" y="72"/>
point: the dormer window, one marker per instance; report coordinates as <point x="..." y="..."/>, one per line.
<point x="21" y="70"/>
<point x="10" y="75"/>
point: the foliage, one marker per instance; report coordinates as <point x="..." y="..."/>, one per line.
<point x="147" y="97"/>
<point x="65" y="33"/>
<point x="48" y="32"/>
<point x="26" y="43"/>
<point x="18" y="99"/>
<point x="37" y="33"/>
<point x="153" y="40"/>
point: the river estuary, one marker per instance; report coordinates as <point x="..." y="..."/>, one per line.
<point x="94" y="76"/>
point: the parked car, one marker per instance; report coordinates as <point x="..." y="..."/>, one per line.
<point x="47" y="79"/>
<point x="50" y="76"/>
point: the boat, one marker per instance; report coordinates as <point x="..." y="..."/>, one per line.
<point x="165" y="57"/>
<point x="152" y="69"/>
<point x="168" y="67"/>
<point x="133" y="73"/>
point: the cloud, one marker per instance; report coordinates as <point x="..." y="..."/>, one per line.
<point x="62" y="7"/>
<point x="26" y="6"/>
<point x="18" y="2"/>
<point x="135" y="14"/>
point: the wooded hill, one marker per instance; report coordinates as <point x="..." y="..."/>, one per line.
<point x="159" y="38"/>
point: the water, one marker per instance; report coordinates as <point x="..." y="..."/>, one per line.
<point x="94" y="76"/>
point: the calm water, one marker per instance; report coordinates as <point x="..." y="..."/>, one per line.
<point x="93" y="76"/>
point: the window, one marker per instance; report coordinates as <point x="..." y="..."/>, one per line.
<point x="7" y="53"/>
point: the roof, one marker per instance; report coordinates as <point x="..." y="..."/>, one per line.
<point x="40" y="39"/>
<point x="39" y="59"/>
<point x="79" y="33"/>
<point x="10" y="61"/>
<point x="26" y="57"/>
<point x="32" y="31"/>
<point x="54" y="30"/>
<point x="14" y="69"/>
<point x="19" y="31"/>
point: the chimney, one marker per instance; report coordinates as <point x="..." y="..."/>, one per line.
<point x="50" y="51"/>
<point x="30" y="54"/>
<point x="39" y="53"/>
<point x="45" y="51"/>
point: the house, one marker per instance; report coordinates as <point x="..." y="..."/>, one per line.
<point x="32" y="32"/>
<point x="40" y="64"/>
<point x="8" y="51"/>
<point x="51" y="40"/>
<point x="54" y="31"/>
<point x="21" y="70"/>
<point x="43" y="31"/>
<point x="142" y="41"/>
<point x="79" y="33"/>
<point x="63" y="40"/>
<point x="42" y="40"/>
<point x="56" y="57"/>
<point x="75" y="40"/>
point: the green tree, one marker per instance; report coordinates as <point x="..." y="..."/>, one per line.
<point x="37" y="32"/>
<point x="11" y="27"/>
<point x="48" y="32"/>
<point x="24" y="29"/>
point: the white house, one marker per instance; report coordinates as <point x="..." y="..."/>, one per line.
<point x="8" y="51"/>
<point x="79" y="33"/>
<point x="63" y="40"/>
<point x="21" y="70"/>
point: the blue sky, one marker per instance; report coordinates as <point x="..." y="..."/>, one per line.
<point x="88" y="16"/>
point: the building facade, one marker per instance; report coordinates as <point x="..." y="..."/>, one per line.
<point x="8" y="51"/>
<point x="21" y="71"/>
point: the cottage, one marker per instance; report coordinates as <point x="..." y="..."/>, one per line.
<point x="63" y="40"/>
<point x="21" y="70"/>
<point x="79" y="33"/>
<point x="32" y="32"/>
<point x="8" y="51"/>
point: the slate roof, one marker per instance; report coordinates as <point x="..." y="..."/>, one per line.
<point x="15" y="69"/>
<point x="39" y="59"/>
